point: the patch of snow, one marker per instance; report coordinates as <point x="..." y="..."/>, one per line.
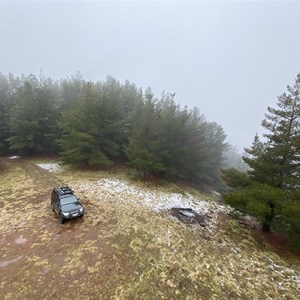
<point x="51" y="167"/>
<point x="121" y="191"/>
<point x="157" y="201"/>
<point x="15" y="157"/>
<point x="296" y="278"/>
<point x="20" y="240"/>
<point x="8" y="262"/>
<point x="187" y="213"/>
<point x="285" y="271"/>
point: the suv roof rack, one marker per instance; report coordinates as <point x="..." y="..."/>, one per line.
<point x="64" y="190"/>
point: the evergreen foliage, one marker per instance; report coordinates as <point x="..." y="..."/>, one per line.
<point x="276" y="162"/>
<point x="235" y="178"/>
<point x="8" y="91"/>
<point x="70" y="90"/>
<point x="92" y="130"/>
<point x="291" y="215"/>
<point x="270" y="189"/>
<point x="146" y="149"/>
<point x="32" y="120"/>
<point x="102" y="122"/>
<point x="4" y="113"/>
<point x="256" y="200"/>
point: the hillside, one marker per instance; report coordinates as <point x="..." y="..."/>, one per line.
<point x="129" y="244"/>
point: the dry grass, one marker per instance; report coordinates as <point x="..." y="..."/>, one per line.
<point x="125" y="247"/>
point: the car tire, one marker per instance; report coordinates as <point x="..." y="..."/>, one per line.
<point x="61" y="219"/>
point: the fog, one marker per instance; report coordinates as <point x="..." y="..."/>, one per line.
<point x="230" y="59"/>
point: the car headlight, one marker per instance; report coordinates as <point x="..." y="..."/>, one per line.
<point x="81" y="209"/>
<point x="65" y="214"/>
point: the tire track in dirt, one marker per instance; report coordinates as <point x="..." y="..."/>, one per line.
<point x="36" y="251"/>
<point x="39" y="176"/>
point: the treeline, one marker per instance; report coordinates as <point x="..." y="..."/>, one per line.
<point x="270" y="190"/>
<point x="107" y="121"/>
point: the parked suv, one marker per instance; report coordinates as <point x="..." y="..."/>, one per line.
<point x="65" y="204"/>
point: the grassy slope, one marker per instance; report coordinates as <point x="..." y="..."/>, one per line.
<point x="122" y="250"/>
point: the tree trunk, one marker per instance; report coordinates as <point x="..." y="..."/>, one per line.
<point x="268" y="218"/>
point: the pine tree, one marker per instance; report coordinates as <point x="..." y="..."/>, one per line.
<point x="93" y="129"/>
<point x="258" y="162"/>
<point x="173" y="127"/>
<point x="5" y="106"/>
<point x="194" y="148"/>
<point x="273" y="194"/>
<point x="216" y="146"/>
<point x="70" y="90"/>
<point x="277" y="161"/>
<point x="78" y="141"/>
<point x="146" y="149"/>
<point x="33" y="119"/>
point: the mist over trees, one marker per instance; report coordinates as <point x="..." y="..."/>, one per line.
<point x="107" y="121"/>
<point x="270" y="188"/>
<point x="234" y="159"/>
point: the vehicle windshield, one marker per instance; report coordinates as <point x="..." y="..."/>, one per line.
<point x="67" y="200"/>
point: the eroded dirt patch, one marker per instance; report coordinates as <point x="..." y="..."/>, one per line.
<point x="189" y="216"/>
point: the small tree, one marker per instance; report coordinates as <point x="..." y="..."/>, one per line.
<point x="259" y="200"/>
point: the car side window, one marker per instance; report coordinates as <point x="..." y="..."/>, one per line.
<point x="54" y="197"/>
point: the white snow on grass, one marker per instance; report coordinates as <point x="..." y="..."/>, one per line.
<point x="134" y="195"/>
<point x="127" y="193"/>
<point x="288" y="272"/>
<point x="159" y="200"/>
<point x="51" y="167"/>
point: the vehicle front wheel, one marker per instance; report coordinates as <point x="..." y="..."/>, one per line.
<point x="61" y="219"/>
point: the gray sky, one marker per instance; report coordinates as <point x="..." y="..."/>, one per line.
<point x="230" y="59"/>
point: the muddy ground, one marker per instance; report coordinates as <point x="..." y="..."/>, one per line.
<point x="128" y="245"/>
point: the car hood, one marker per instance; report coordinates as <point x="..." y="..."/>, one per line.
<point x="71" y="207"/>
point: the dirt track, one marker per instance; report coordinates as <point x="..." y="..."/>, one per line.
<point x="119" y="252"/>
<point x="31" y="235"/>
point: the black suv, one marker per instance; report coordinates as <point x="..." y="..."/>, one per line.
<point x="65" y="204"/>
